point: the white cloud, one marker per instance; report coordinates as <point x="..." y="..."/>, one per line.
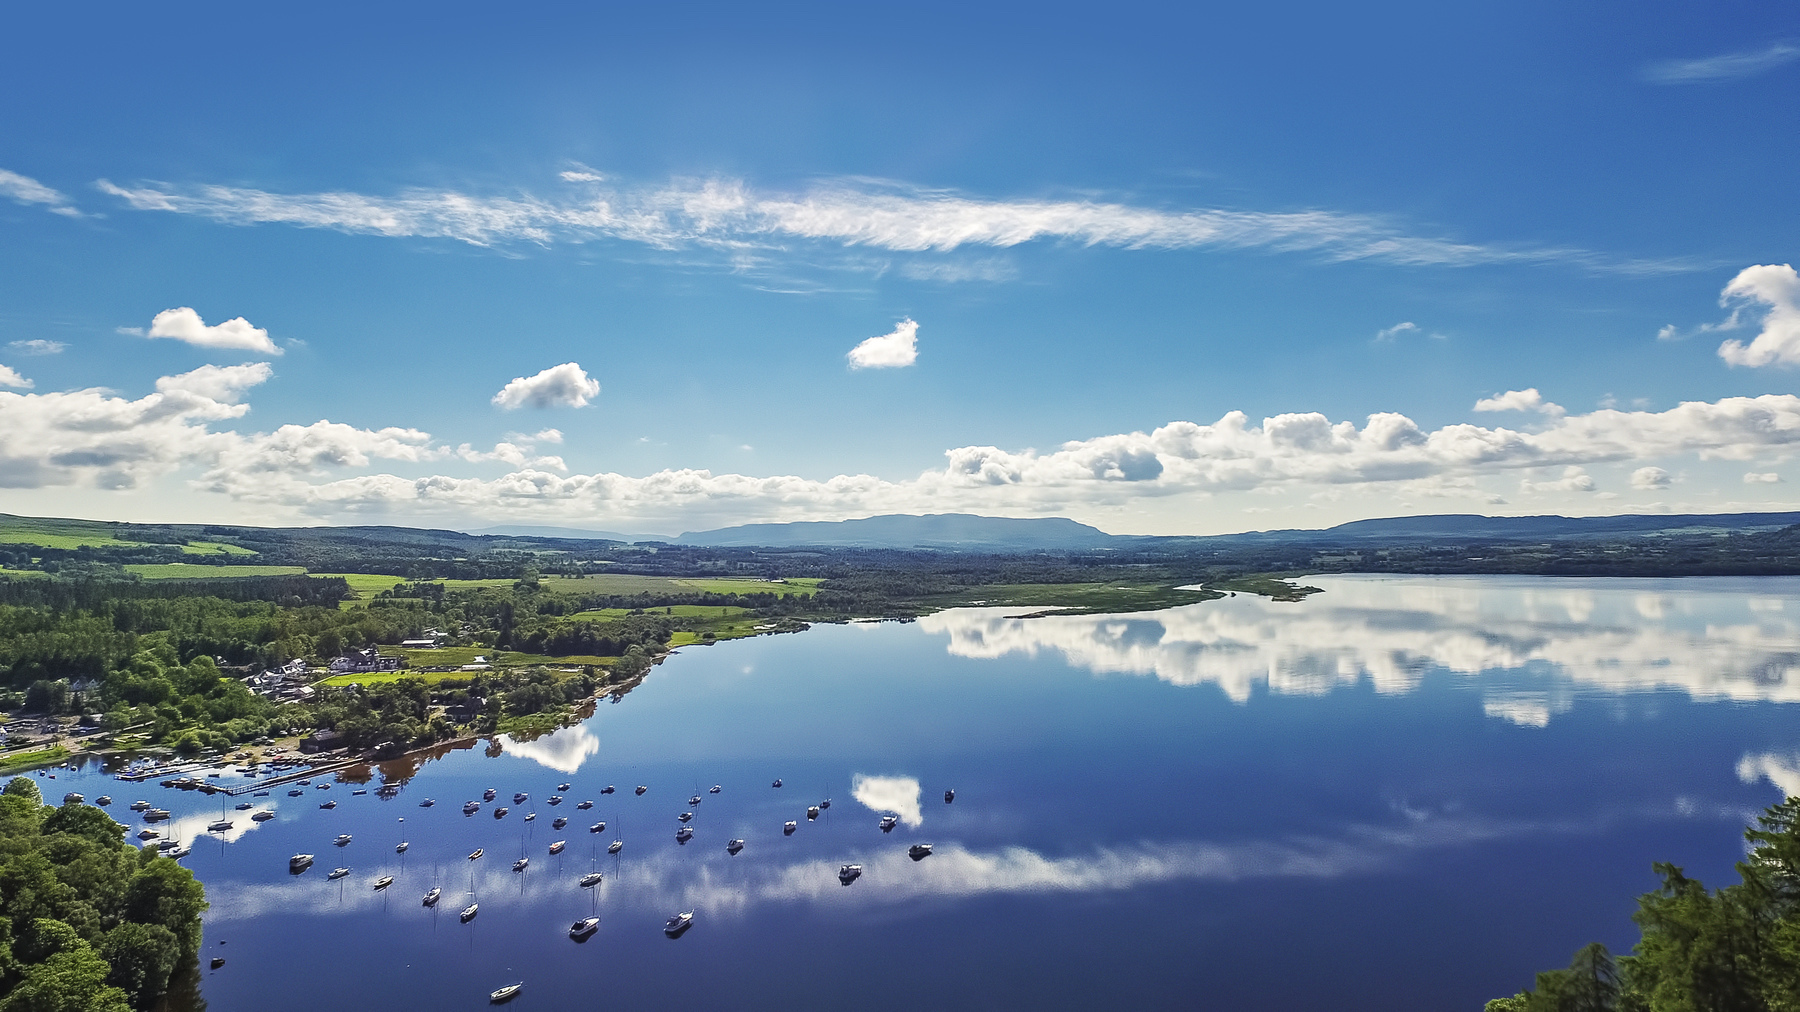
<point x="1651" y="477"/>
<point x="1777" y="287"/>
<point x="1389" y="333"/>
<point x="184" y="324"/>
<point x="28" y="191"/>
<point x="896" y="795"/>
<point x="573" y="176"/>
<point x="38" y="346"/>
<point x="9" y="377"/>
<point x="566" y="385"/>
<point x="1519" y="400"/>
<point x="1669" y="332"/>
<point x="1761" y="477"/>
<point x="1574" y="479"/>
<point x="1727" y="67"/>
<point x="729" y="215"/>
<point x="563" y="750"/>
<point x="893" y="350"/>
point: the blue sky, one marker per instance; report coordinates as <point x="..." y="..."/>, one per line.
<point x="1162" y="269"/>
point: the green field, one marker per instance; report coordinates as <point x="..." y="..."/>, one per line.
<point x="20" y="761"/>
<point x="183" y="571"/>
<point x="677" y="610"/>
<point x="65" y="534"/>
<point x="457" y="656"/>
<point x="214" y="548"/>
<point x="21" y="574"/>
<point x="625" y="584"/>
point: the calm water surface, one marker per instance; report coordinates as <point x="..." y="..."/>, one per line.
<point x="1404" y="793"/>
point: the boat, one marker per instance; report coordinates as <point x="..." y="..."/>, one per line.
<point x="262" y="816"/>
<point x="849" y="873"/>
<point x="469" y="912"/>
<point x="156" y="815"/>
<point x="217" y="961"/>
<point x="383" y="882"/>
<point x="558" y="822"/>
<point x="260" y="794"/>
<point x="556" y="799"/>
<point x="598" y="827"/>
<point x="520" y="798"/>
<point x="305" y="783"/>
<point x="148" y="834"/>
<point x="358" y="792"/>
<point x="714" y="789"/>
<point x="300" y="862"/>
<point x="431" y="897"/>
<point x="243" y="806"/>
<point x="521" y="864"/>
<point x="777" y="783"/>
<point x="296" y="792"/>
<point x="825" y="804"/>
<point x="694" y="800"/>
<point x="787" y="828"/>
<point x="471" y="807"/>
<point x="615" y="847"/>
<point x="734" y="846"/>
<point x="949" y="796"/>
<point x="387" y="791"/>
<point x="678" y="923"/>
<point x="562" y="787"/>
<point x="584" y="927"/>
<point x="557" y="847"/>
<point x="328" y="804"/>
<point x="641" y="789"/>
<point x="500" y="813"/>
<point x="888" y="822"/>
<point x="343" y="840"/>
<point x="336" y="873"/>
<point x="591" y="879"/>
<point x="585" y="805"/>
<point x="507" y="993"/>
<point x="812" y="812"/>
<point x="102" y="801"/>
<point x="320" y="787"/>
<point x="919" y="851"/>
<point x="684" y="834"/>
<point x="685" y="816"/>
<point x="478" y="852"/>
<point x="608" y="789"/>
<point x="427" y="803"/>
<point x="487" y="795"/>
<point x="400" y="848"/>
<point x="221" y="826"/>
<point x="181" y="851"/>
<point x="167" y="845"/>
<point x="138" y="806"/>
<point x="530" y="815"/>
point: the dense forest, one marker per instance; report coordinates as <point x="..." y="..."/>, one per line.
<point x="89" y="923"/>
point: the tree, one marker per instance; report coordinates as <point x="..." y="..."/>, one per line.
<point x="25" y="787"/>
<point x="84" y="821"/>
<point x="165" y="893"/>
<point x="142" y="957"/>
<point x="73" y="981"/>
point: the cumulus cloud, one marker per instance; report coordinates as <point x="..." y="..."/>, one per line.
<point x="26" y="190"/>
<point x="729" y="214"/>
<point x="1725" y="67"/>
<point x="1776" y="287"/>
<point x="1519" y="400"/>
<point x="1574" y="479"/>
<point x="1647" y="478"/>
<point x="893" y="350"/>
<point x="898" y="796"/>
<point x="185" y="325"/>
<point x="9" y="377"/>
<point x="1761" y="477"/>
<point x="566" y="385"/>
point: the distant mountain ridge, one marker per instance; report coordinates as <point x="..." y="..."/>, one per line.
<point x="899" y="530"/>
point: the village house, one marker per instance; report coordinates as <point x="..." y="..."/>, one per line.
<point x="364" y="661"/>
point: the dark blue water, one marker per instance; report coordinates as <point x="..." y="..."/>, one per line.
<point x="1398" y="794"/>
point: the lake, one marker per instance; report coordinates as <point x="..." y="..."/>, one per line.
<point x="1400" y="793"/>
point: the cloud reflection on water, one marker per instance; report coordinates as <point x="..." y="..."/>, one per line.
<point x="563" y="750"/>
<point x="1712" y="641"/>
<point x="899" y="795"/>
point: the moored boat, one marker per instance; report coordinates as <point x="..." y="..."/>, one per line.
<point x="591" y="879"/>
<point x="714" y="789"/>
<point x="678" y="923"/>
<point x="476" y="854"/>
<point x="520" y="798"/>
<point x="812" y="812"/>
<point x="328" y="805"/>
<point x="641" y="789"/>
<point x="787" y="828"/>
<point x="337" y="873"/>
<point x="608" y="789"/>
<point x="558" y="822"/>
<point x="530" y="815"/>
<point x="139" y="806"/>
<point x="469" y="912"/>
<point x="471" y="807"/>
<point x="556" y="799"/>
<point x="949" y="796"/>
<point x="919" y="851"/>
<point x="262" y="816"/>
<point x="487" y="795"/>
<point x="221" y="826"/>
<point x="584" y="927"/>
<point x="685" y="816"/>
<point x="694" y="800"/>
<point x="615" y="847"/>
<point x="777" y="782"/>
<point x="427" y="803"/>
<point x="507" y="993"/>
<point x="384" y="881"/>
<point x="521" y="864"/>
<point x="500" y="813"/>
<point x="300" y="862"/>
<point x="585" y="805"/>
<point x="431" y="897"/>
<point x="557" y="847"/>
<point x="849" y="873"/>
<point x="734" y="846"/>
<point x="684" y="834"/>
<point x="102" y="801"/>
<point x="888" y="822"/>
<point x="400" y="848"/>
<point x="244" y="806"/>
<point x="598" y="827"/>
<point x="562" y="787"/>
<point x="343" y="840"/>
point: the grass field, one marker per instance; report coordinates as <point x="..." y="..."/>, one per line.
<point x="21" y="574"/>
<point x="20" y="761"/>
<point x="626" y="584"/>
<point x="65" y="534"/>
<point x="456" y="656"/>
<point x="214" y="548"/>
<point x="677" y="610"/>
<point x="183" y="571"/>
